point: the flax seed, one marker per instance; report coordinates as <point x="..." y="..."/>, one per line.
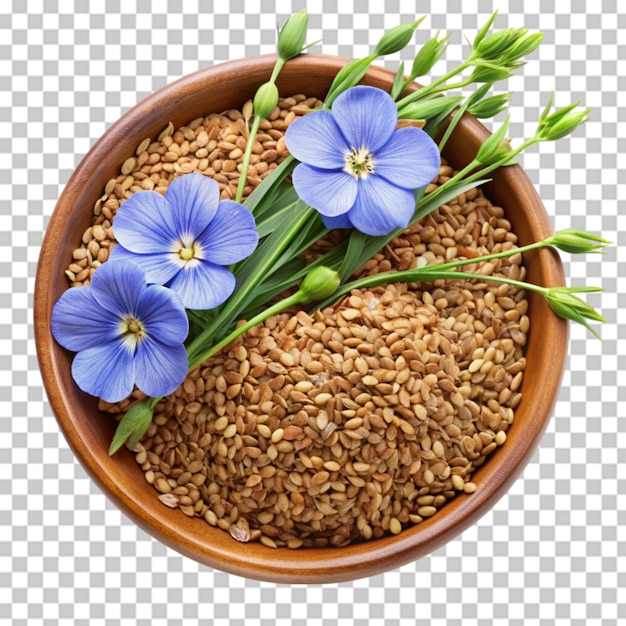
<point x="315" y="422"/>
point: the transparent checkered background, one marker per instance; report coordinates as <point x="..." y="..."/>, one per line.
<point x="553" y="551"/>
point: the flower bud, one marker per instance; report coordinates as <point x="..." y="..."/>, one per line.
<point x="577" y="241"/>
<point x="428" y="55"/>
<point x="522" y="47"/>
<point x="489" y="107"/>
<point x="563" y="127"/>
<point x="560" y="123"/>
<point x="570" y="307"/>
<point x="492" y="47"/>
<point x="319" y="283"/>
<point x="486" y="74"/>
<point x="492" y="149"/>
<point x="133" y="425"/>
<point x="482" y="33"/>
<point x="425" y="109"/>
<point x="292" y="35"/>
<point x="396" y="38"/>
<point x="265" y="99"/>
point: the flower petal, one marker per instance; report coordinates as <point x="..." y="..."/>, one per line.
<point x="339" y="222"/>
<point x="78" y="322"/>
<point x="144" y="223"/>
<point x="231" y="236"/>
<point x="159" y="268"/>
<point x="116" y="287"/>
<point x="203" y="286"/>
<point x="410" y="159"/>
<point x="159" y="369"/>
<point x="163" y="315"/>
<point x="380" y="207"/>
<point x="193" y="200"/>
<point x="332" y="193"/>
<point x="106" y="371"/>
<point x="316" y="139"/>
<point x="367" y="117"/>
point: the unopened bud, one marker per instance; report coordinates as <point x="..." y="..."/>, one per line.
<point x="577" y="241"/>
<point x="489" y="107"/>
<point x="133" y="425"/>
<point x="319" y="283"/>
<point x="522" y="47"/>
<point x="428" y="55"/>
<point x="396" y="38"/>
<point x="292" y="35"/>
<point x="563" y="127"/>
<point x="425" y="109"/>
<point x="492" y="47"/>
<point x="265" y="99"/>
<point x="485" y="74"/>
<point x="494" y="147"/>
<point x="570" y="307"/>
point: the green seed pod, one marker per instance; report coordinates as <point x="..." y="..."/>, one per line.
<point x="292" y="35"/>
<point x="265" y="99"/>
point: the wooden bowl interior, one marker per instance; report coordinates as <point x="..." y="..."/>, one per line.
<point x="89" y="432"/>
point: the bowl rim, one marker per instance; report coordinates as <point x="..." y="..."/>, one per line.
<point x="256" y="561"/>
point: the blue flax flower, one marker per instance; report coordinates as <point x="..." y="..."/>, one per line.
<point x="182" y="240"/>
<point x="356" y="167"/>
<point x="125" y="332"/>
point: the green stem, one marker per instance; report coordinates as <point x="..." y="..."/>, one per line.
<point x="278" y="66"/>
<point x="278" y="307"/>
<point x="423" y="274"/>
<point x="459" y="85"/>
<point x="490" y="257"/>
<point x="243" y="177"/>
<point x="424" y="91"/>
<point x="478" y="174"/>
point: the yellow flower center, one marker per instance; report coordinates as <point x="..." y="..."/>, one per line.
<point x="187" y="252"/>
<point x="132" y="331"/>
<point x="359" y="163"/>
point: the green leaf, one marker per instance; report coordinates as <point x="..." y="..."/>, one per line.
<point x="475" y="97"/>
<point x="273" y="219"/>
<point x="270" y="184"/>
<point x="442" y="195"/>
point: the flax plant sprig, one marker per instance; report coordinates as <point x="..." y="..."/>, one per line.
<point x="561" y="299"/>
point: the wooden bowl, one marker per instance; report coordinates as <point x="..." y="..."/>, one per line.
<point x="89" y="432"/>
